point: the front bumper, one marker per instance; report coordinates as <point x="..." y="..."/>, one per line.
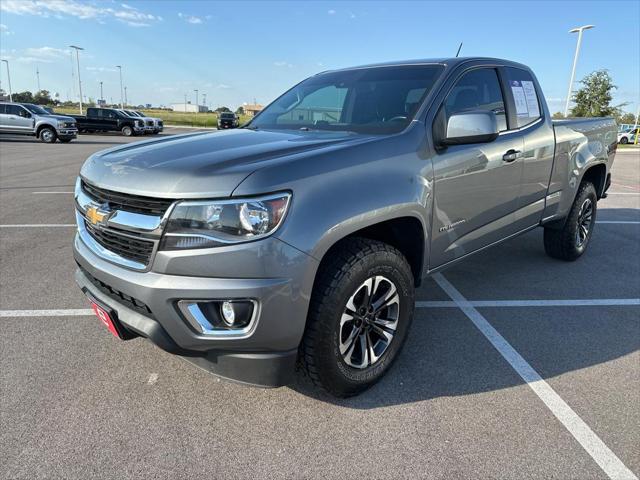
<point x="67" y="132"/>
<point x="137" y="129"/>
<point x="266" y="357"/>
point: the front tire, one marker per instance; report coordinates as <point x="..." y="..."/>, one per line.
<point x="360" y="312"/>
<point x="572" y="240"/>
<point x="48" y="135"/>
<point x="624" y="140"/>
<point x="127" y="131"/>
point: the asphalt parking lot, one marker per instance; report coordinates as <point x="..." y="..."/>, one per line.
<point x="517" y="365"/>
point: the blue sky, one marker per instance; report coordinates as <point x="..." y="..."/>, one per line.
<point x="237" y="51"/>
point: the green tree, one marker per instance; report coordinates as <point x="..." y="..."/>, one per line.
<point x="240" y="110"/>
<point x="594" y="98"/>
<point x="222" y="109"/>
<point x="558" y="115"/>
<point x="23" y="97"/>
<point x="43" y="97"/>
<point x="626" y="118"/>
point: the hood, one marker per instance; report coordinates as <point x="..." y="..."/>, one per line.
<point x="200" y="165"/>
<point x="62" y="118"/>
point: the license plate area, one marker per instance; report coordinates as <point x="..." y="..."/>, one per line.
<point x="109" y="318"/>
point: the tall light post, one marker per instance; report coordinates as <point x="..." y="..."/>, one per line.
<point x="197" y="106"/>
<point x="77" y="49"/>
<point x="119" y="67"/>
<point x="101" y="96"/>
<point x="579" y="30"/>
<point x="204" y="101"/>
<point x="38" y="78"/>
<point x="9" y="80"/>
<point x="126" y="102"/>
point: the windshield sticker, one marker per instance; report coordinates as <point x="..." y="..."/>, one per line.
<point x="520" y="99"/>
<point x="532" y="98"/>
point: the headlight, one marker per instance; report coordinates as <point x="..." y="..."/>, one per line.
<point x="205" y="224"/>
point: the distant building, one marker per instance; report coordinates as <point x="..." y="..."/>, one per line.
<point x="252" y="108"/>
<point x="188" y="108"/>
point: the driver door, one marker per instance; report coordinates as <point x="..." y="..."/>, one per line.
<point x="477" y="185"/>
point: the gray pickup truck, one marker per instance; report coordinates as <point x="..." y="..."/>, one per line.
<point x="300" y="238"/>
<point x="34" y="120"/>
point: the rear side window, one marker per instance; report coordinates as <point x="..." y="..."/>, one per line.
<point x="3" y="108"/>
<point x="478" y="89"/>
<point x="525" y="96"/>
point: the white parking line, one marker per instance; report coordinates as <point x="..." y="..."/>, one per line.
<point x="40" y="225"/>
<point x="48" y="193"/>
<point x="623" y="193"/>
<point x="46" y="313"/>
<point x="608" y="302"/>
<point x="620" y="222"/>
<point x="595" y="447"/>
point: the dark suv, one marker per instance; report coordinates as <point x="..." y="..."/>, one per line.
<point x="227" y="120"/>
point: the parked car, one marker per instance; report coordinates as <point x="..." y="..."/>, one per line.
<point x="149" y="124"/>
<point x="227" y="120"/>
<point x="628" y="136"/>
<point x="302" y="236"/>
<point x="30" y="119"/>
<point x="109" y="120"/>
<point x="157" y="122"/>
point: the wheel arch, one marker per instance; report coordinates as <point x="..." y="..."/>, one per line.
<point x="42" y="127"/>
<point x="597" y="175"/>
<point x="406" y="233"/>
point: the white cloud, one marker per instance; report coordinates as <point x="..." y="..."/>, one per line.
<point x="331" y="12"/>
<point x="192" y="19"/>
<point x="102" y="69"/>
<point x="282" y="64"/>
<point x="224" y="86"/>
<point x="4" y="30"/>
<point x="42" y="55"/>
<point x="72" y="8"/>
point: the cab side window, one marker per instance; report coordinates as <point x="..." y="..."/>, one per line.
<point x="16" y="110"/>
<point x="3" y="108"/>
<point x="525" y="96"/>
<point x="478" y="89"/>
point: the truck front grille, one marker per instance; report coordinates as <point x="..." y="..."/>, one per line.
<point x="136" y="249"/>
<point x="130" y="203"/>
<point x="129" y="301"/>
<point x="149" y="123"/>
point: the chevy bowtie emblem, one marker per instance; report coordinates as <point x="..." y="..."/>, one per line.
<point x="97" y="215"/>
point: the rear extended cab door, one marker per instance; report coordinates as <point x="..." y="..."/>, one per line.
<point x="531" y="119"/>
<point x="476" y="186"/>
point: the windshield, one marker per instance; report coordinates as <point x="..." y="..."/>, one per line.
<point x="35" y="109"/>
<point x="131" y="114"/>
<point x="368" y="100"/>
<point x="227" y="115"/>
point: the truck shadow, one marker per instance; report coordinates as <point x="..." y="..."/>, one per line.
<point x="445" y="355"/>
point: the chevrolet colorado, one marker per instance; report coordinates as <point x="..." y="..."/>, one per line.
<point x="300" y="238"/>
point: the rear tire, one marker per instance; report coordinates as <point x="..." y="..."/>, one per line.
<point x="127" y="131"/>
<point x="352" y="338"/>
<point x="624" y="140"/>
<point x="48" y="135"/>
<point x="572" y="240"/>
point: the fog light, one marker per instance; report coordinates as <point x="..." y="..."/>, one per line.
<point x="228" y="314"/>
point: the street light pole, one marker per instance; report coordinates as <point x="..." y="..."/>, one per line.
<point x="126" y="102"/>
<point x="197" y="106"/>
<point x="101" y="96"/>
<point x="579" y="30"/>
<point x="77" y="49"/>
<point x="9" y="80"/>
<point x="38" y="78"/>
<point x="119" y="67"/>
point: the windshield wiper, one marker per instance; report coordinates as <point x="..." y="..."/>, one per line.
<point x="250" y="127"/>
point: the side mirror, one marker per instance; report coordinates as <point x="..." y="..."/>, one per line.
<point x="480" y="126"/>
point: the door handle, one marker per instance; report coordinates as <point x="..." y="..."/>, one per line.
<point x="511" y="155"/>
